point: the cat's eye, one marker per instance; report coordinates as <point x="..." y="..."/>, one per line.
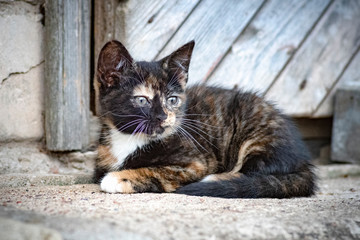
<point x="142" y="101"/>
<point x="173" y="101"/>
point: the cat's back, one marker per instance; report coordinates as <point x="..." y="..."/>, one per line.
<point x="243" y="114"/>
<point x="215" y="100"/>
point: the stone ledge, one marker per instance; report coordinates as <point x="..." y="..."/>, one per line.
<point x="32" y="158"/>
<point x="22" y="180"/>
<point x="84" y="212"/>
<point x="338" y="171"/>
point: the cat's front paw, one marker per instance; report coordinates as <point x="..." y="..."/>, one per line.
<point x="113" y="183"/>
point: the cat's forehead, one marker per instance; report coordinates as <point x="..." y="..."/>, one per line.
<point x="149" y="87"/>
<point x="155" y="69"/>
<point x="155" y="80"/>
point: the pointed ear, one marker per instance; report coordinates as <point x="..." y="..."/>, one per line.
<point x="114" y="59"/>
<point x="178" y="62"/>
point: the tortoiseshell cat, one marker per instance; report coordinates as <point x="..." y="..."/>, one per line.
<point x="158" y="136"/>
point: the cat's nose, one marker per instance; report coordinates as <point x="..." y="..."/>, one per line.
<point x="161" y="117"/>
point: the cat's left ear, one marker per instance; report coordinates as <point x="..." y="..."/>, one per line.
<point x="178" y="62"/>
<point x="113" y="61"/>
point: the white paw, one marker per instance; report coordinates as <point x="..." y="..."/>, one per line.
<point x="111" y="184"/>
<point x="209" y="178"/>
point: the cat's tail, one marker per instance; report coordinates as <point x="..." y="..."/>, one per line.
<point x="255" y="185"/>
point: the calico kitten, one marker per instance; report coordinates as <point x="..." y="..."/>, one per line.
<point x="158" y="136"/>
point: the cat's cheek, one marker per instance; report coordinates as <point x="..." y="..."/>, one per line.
<point x="112" y="184"/>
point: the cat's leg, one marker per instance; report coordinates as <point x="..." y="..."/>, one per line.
<point x="152" y="179"/>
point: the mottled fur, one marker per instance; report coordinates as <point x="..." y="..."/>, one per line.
<point x="212" y="142"/>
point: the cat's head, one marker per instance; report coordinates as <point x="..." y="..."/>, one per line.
<point x="143" y="98"/>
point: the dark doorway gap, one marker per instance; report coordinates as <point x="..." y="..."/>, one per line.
<point x="92" y="58"/>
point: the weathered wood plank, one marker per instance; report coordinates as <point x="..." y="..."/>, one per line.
<point x="113" y="18"/>
<point x="67" y="74"/>
<point x="144" y="27"/>
<point x="315" y="67"/>
<point x="147" y="33"/>
<point x="266" y="45"/>
<point x="84" y="74"/>
<point x="214" y="25"/>
<point x="350" y="79"/>
<point x="346" y="129"/>
<point x="104" y="23"/>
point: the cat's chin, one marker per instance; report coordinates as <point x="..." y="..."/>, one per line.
<point x="155" y="137"/>
<point x="161" y="133"/>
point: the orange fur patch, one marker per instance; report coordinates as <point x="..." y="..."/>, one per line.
<point x="170" y="177"/>
<point x="198" y="167"/>
<point x="106" y="158"/>
<point x="170" y="120"/>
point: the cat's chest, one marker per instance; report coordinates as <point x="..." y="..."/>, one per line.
<point x="124" y="145"/>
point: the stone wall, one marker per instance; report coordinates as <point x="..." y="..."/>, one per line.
<point x="21" y="70"/>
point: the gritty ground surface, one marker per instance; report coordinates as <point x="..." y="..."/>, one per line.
<point x="84" y="212"/>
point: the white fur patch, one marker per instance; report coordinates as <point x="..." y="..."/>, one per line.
<point x="122" y="145"/>
<point x="209" y="178"/>
<point x="110" y="184"/>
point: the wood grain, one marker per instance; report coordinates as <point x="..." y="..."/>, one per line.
<point x="314" y="69"/>
<point x="144" y="27"/>
<point x="295" y="52"/>
<point x="104" y="24"/>
<point x="267" y="44"/>
<point x="148" y="32"/>
<point x="67" y="74"/>
<point x="214" y="25"/>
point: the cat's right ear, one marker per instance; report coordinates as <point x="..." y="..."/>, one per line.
<point x="178" y="62"/>
<point x="114" y="59"/>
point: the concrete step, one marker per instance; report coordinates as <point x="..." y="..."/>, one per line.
<point x="82" y="211"/>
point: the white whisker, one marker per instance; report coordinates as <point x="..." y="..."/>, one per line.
<point x="181" y="131"/>
<point x="199" y="122"/>
<point x="193" y="139"/>
<point x="191" y="128"/>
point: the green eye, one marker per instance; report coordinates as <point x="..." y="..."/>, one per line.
<point x="173" y="101"/>
<point x="142" y="101"/>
